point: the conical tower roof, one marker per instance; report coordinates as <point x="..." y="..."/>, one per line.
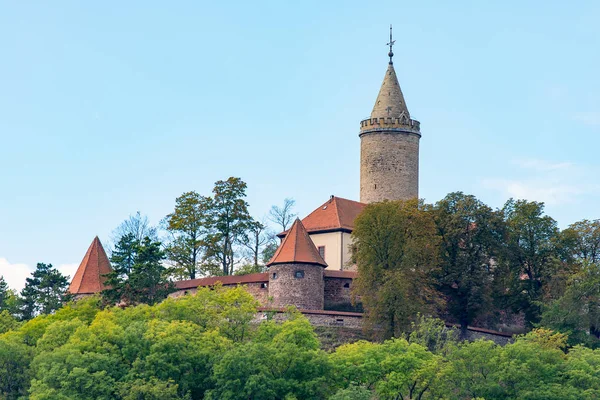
<point x="89" y="276"/>
<point x="297" y="247"/>
<point x="390" y="100"/>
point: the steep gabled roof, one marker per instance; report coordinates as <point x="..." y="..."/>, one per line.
<point x="89" y="276"/>
<point x="297" y="247"/>
<point x="336" y="214"/>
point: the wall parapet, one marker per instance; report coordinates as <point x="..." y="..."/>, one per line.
<point x="401" y="124"/>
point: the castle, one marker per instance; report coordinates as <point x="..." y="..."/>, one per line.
<point x="311" y="269"/>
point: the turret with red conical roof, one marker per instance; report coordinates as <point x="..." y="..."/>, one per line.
<point x="296" y="271"/>
<point x="90" y="276"/>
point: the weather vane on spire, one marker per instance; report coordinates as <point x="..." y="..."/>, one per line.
<point x="391" y="44"/>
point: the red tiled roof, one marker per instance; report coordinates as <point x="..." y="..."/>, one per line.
<point x="297" y="247"/>
<point x="225" y="280"/>
<point x="89" y="276"/>
<point x="249" y="278"/>
<point x="334" y="215"/>
<point x="332" y="273"/>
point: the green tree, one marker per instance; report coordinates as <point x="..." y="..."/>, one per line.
<point x="188" y="226"/>
<point x="270" y="249"/>
<point x="182" y="353"/>
<point x="531" y="255"/>
<point x="254" y="240"/>
<point x="7" y="322"/>
<point x="230" y="222"/>
<point x="582" y="240"/>
<point x="138" y="275"/>
<point x="396" y="369"/>
<point x="44" y="292"/>
<point x="283" y="362"/>
<point x="4" y="294"/>
<point x="15" y="358"/>
<point x="472" y="236"/>
<point x="396" y="252"/>
<point x="151" y="389"/>
<point x="122" y="259"/>
<point x="577" y="312"/>
<point x="433" y="334"/>
<point x="353" y="392"/>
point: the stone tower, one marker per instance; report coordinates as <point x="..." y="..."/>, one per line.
<point x="389" y="145"/>
<point x="296" y="272"/>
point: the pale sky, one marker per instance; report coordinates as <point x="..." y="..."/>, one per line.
<point x="107" y="108"/>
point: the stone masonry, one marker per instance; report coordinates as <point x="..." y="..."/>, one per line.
<point x="389" y="166"/>
<point x="287" y="288"/>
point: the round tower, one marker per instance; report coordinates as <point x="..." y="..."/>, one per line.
<point x="389" y="145"/>
<point x="296" y="272"/>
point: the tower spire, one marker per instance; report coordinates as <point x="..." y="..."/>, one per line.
<point x="391" y="44"/>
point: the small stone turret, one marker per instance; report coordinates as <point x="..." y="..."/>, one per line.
<point x="296" y="272"/>
<point x="389" y="146"/>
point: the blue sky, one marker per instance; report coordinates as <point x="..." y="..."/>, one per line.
<point x="107" y="108"/>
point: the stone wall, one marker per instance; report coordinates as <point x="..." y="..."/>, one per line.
<point x="259" y="290"/>
<point x="306" y="293"/>
<point x="337" y="292"/>
<point x="323" y="318"/>
<point x="389" y="166"/>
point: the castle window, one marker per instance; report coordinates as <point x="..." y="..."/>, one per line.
<point x="274" y="276"/>
<point x="322" y="252"/>
<point x="347" y="285"/>
<point x="299" y="274"/>
<point x="263" y="285"/>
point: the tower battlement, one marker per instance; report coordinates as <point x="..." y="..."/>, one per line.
<point x="401" y="124"/>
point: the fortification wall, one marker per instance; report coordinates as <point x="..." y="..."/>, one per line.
<point x="337" y="292"/>
<point x="319" y="318"/>
<point x="259" y="290"/>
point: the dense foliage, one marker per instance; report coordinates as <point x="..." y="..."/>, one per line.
<point x="209" y="346"/>
<point x="510" y="268"/>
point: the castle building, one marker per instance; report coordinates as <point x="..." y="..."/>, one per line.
<point x="312" y="268"/>
<point x="329" y="227"/>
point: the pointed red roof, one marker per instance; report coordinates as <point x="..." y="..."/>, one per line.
<point x="89" y="276"/>
<point x="297" y="247"/>
<point x="336" y="214"/>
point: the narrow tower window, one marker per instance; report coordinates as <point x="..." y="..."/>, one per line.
<point x="274" y="276"/>
<point x="299" y="274"/>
